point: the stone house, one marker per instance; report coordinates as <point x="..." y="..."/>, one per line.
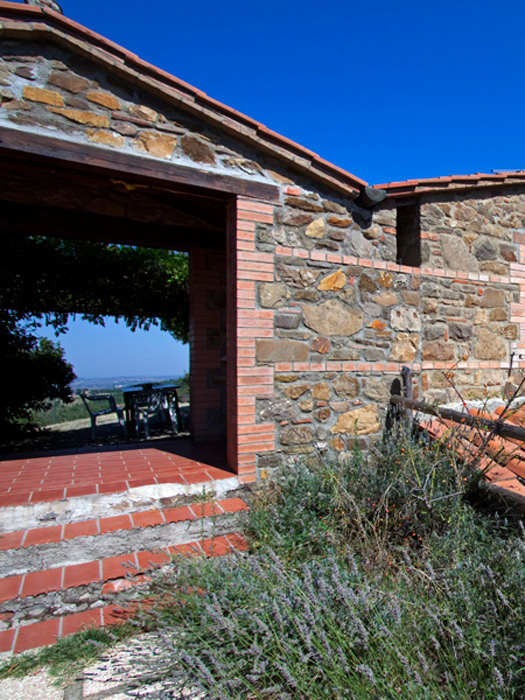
<point x="309" y="288"/>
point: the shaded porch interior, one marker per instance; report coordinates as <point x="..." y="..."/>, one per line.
<point x="80" y="202"/>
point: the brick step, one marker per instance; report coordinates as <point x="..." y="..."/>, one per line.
<point x="68" y="509"/>
<point x="74" y="544"/>
<point x="113" y="572"/>
<point x="108" y="568"/>
<point x="127" y="521"/>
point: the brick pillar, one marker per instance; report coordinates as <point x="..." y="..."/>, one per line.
<point x="245" y="324"/>
<point x="207" y="344"/>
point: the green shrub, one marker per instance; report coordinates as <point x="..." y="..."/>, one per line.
<point x="399" y="494"/>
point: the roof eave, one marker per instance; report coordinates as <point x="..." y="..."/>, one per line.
<point x="27" y="21"/>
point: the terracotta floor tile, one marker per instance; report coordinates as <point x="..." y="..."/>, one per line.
<point x="10" y="587"/>
<point x="215" y="546"/>
<point x="26" y="483"/>
<point x="216" y="473"/>
<point x="84" y="528"/>
<point x="176" y="515"/>
<point x="47" y="495"/>
<point x="14" y="499"/>
<point x="57" y="481"/>
<point x="80" y="490"/>
<point x="38" y="582"/>
<point x="113" y="487"/>
<point x="206" y="510"/>
<point x="39" y="634"/>
<point x="114" y="523"/>
<point x="6" y="639"/>
<point x="233" y="505"/>
<point x="148" y="560"/>
<point x="199" y="477"/>
<point x="11" y="540"/>
<point x="144" y="481"/>
<point x="238" y="542"/>
<point x="115" y="615"/>
<point x="171" y="479"/>
<point x="43" y="535"/>
<point x="147" y="518"/>
<point x="85" y="478"/>
<point x="118" y="567"/>
<point x="114" y="476"/>
<point x="192" y="549"/>
<point x="81" y="574"/>
<point x="82" y="620"/>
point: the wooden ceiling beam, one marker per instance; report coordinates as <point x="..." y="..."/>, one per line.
<point x="34" y="220"/>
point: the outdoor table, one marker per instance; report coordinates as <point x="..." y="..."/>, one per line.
<point x="164" y="393"/>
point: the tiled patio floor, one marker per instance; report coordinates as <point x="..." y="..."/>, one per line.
<point x="38" y="477"/>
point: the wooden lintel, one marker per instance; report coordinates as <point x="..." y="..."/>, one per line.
<point x="15" y="143"/>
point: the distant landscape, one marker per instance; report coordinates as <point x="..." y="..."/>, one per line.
<point x="99" y="383"/>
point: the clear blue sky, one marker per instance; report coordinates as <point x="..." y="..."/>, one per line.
<point x="114" y="351"/>
<point x="387" y="90"/>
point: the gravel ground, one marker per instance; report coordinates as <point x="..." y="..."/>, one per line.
<point x="38" y="686"/>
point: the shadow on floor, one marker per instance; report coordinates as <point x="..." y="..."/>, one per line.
<point x="75" y="437"/>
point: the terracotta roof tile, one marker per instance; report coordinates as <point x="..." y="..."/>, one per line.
<point x="503" y="459"/>
<point x="451" y="182"/>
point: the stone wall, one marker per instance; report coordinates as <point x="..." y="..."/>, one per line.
<point x="321" y="314"/>
<point x="472" y="233"/>
<point x="48" y="90"/>
<point x="471" y="290"/>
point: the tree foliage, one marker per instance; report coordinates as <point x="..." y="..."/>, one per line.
<point x="33" y="372"/>
<point x="52" y="278"/>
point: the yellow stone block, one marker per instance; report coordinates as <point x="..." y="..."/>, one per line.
<point x="321" y="391"/>
<point x="158" y="145"/>
<point x="105" y="99"/>
<point x="48" y="97"/>
<point x="333" y="282"/>
<point x="143" y="112"/>
<point x="82" y="117"/>
<point x="106" y="138"/>
<point x="316" y="229"/>
<point x="385" y="279"/>
<point x="362" y="421"/>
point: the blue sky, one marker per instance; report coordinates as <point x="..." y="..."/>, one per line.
<point x="114" y="351"/>
<point x="386" y="90"/>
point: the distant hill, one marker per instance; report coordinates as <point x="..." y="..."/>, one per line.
<point x="99" y="383"/>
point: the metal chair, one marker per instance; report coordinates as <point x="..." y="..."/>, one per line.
<point x="112" y="408"/>
<point x="162" y="401"/>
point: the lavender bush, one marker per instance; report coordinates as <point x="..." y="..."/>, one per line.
<point x="376" y="579"/>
